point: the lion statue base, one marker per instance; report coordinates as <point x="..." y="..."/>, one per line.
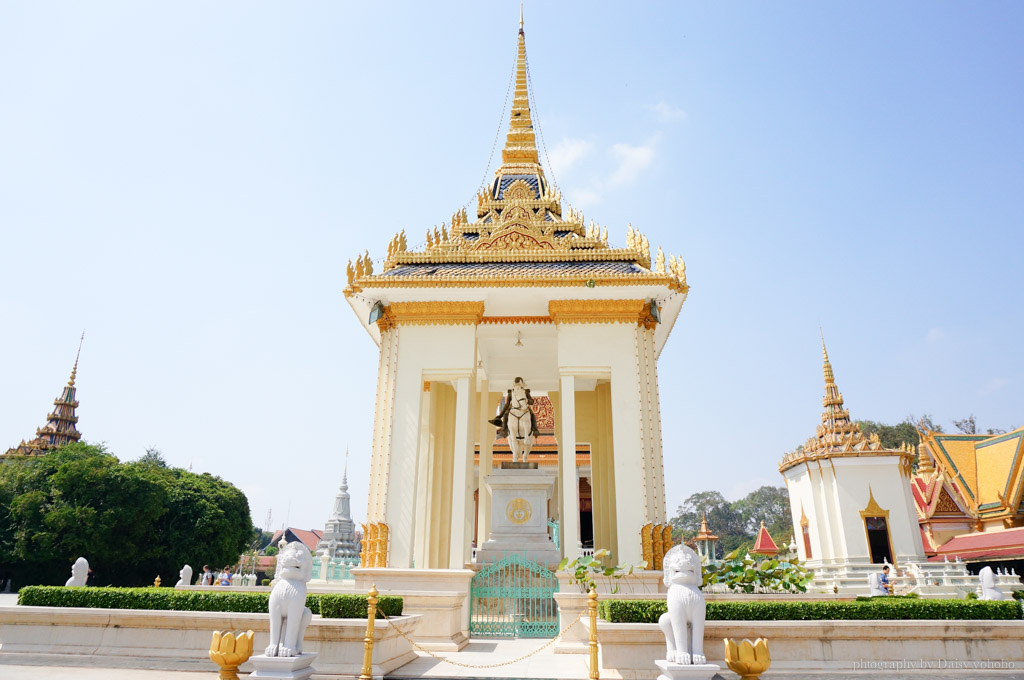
<point x="289" y="615"/>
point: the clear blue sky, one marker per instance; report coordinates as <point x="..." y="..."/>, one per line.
<point x="186" y="181"/>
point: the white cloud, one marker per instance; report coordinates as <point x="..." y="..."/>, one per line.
<point x="935" y="335"/>
<point x="632" y="161"/>
<point x="667" y="112"/>
<point x="567" y="152"/>
<point x="583" y="198"/>
<point x="993" y="385"/>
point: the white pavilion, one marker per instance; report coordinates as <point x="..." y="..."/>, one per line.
<point x="523" y="288"/>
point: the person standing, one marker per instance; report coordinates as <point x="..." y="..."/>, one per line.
<point x="207" y="578"/>
<point x="225" y="578"/>
<point x="883" y="581"/>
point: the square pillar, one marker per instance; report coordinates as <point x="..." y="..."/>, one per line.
<point x="569" y="494"/>
<point x="486" y="435"/>
<point x="458" y="550"/>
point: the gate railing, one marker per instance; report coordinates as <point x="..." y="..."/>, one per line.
<point x="513" y="597"/>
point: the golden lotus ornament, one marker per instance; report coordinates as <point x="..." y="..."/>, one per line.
<point x="229" y="651"/>
<point x="747" y="659"/>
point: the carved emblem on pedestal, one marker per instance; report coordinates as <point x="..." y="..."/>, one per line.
<point x="518" y="511"/>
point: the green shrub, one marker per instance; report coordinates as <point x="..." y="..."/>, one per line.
<point x="1018" y="594"/>
<point x="329" y="605"/>
<point x="337" y="606"/>
<point x="971" y="596"/>
<point x="892" y="608"/>
<point x="265" y="582"/>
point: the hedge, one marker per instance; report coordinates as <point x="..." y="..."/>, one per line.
<point x="328" y="605"/>
<point x="648" y="611"/>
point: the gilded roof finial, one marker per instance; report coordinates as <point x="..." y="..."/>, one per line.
<point x="520" y="17"/>
<point x="829" y="377"/>
<point x="74" y="369"/>
<point x="521" y="144"/>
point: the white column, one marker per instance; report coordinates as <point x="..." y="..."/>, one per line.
<point x="459" y="544"/>
<point x="631" y="504"/>
<point x="570" y="492"/>
<point x="486" y="438"/>
<point x="421" y="551"/>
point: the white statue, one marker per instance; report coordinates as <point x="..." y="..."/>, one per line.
<point x="875" y="585"/>
<point x="79" y="572"/>
<point x="289" y="615"/>
<point x="683" y="623"/>
<point x="184" y="576"/>
<point x="988" y="585"/>
<point x="517" y="421"/>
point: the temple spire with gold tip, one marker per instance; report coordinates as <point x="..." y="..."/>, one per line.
<point x="520" y="153"/>
<point x="837" y="434"/>
<point x="60" y="428"/>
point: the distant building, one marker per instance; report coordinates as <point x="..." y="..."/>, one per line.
<point x="339" y="536"/>
<point x="764" y="544"/>
<point x="309" y="538"/>
<point x="61" y="424"/>
<point x="968" y="491"/>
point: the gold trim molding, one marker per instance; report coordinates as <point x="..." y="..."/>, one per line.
<point x="432" y="313"/>
<point x="515" y="319"/>
<point x="599" y="311"/>
<point x="491" y="281"/>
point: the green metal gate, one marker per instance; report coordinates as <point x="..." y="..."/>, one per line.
<point x="514" y="597"/>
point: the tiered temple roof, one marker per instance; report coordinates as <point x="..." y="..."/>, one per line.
<point x="838" y="435"/>
<point x="60" y="427"/>
<point x="520" y="234"/>
<point x="764" y="544"/>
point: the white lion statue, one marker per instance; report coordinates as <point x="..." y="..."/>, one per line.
<point x="289" y="615"/>
<point x="989" y="591"/>
<point x="683" y="623"/>
<point x="79" y="572"/>
<point x="184" y="576"/>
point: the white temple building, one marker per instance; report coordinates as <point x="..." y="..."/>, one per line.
<point x="852" y="507"/>
<point x="525" y="288"/>
<point x="339" y="539"/>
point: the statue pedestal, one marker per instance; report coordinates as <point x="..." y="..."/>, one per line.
<point x="519" y="516"/>
<point x="676" y="671"/>
<point x="283" y="667"/>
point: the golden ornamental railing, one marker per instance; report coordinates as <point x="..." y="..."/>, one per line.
<point x="655" y="541"/>
<point x="375" y="544"/>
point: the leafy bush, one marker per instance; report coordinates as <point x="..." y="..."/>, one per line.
<point x="971" y="596"/>
<point x="891" y="608"/>
<point x="336" y="606"/>
<point x="265" y="582"/>
<point x="747" y="574"/>
<point x="1018" y="594"/>
<point x="584" y="570"/>
<point x="327" y="605"/>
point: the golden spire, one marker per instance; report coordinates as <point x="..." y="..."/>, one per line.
<point x="829" y="377"/>
<point x="74" y="369"/>
<point x="521" y="144"/>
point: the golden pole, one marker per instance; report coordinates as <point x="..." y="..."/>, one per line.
<point x="595" y="673"/>
<point x="371" y="615"/>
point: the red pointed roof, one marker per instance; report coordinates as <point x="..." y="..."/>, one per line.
<point x="764" y="544"/>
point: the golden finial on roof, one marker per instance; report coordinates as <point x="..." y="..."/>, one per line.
<point x="659" y="262"/>
<point x="74" y="369"/>
<point x="367" y="264"/>
<point x="520" y="17"/>
<point x="521" y="143"/>
<point x="350" y="272"/>
<point x="829" y="376"/>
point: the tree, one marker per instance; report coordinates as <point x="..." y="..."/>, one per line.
<point x="966" y="425"/>
<point x="736" y="523"/>
<point x="132" y="521"/>
<point x="769" y="504"/>
<point x="893" y="436"/>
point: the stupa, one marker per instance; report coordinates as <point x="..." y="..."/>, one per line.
<point x="339" y="539"/>
<point x="523" y="287"/>
<point x="61" y="424"/>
